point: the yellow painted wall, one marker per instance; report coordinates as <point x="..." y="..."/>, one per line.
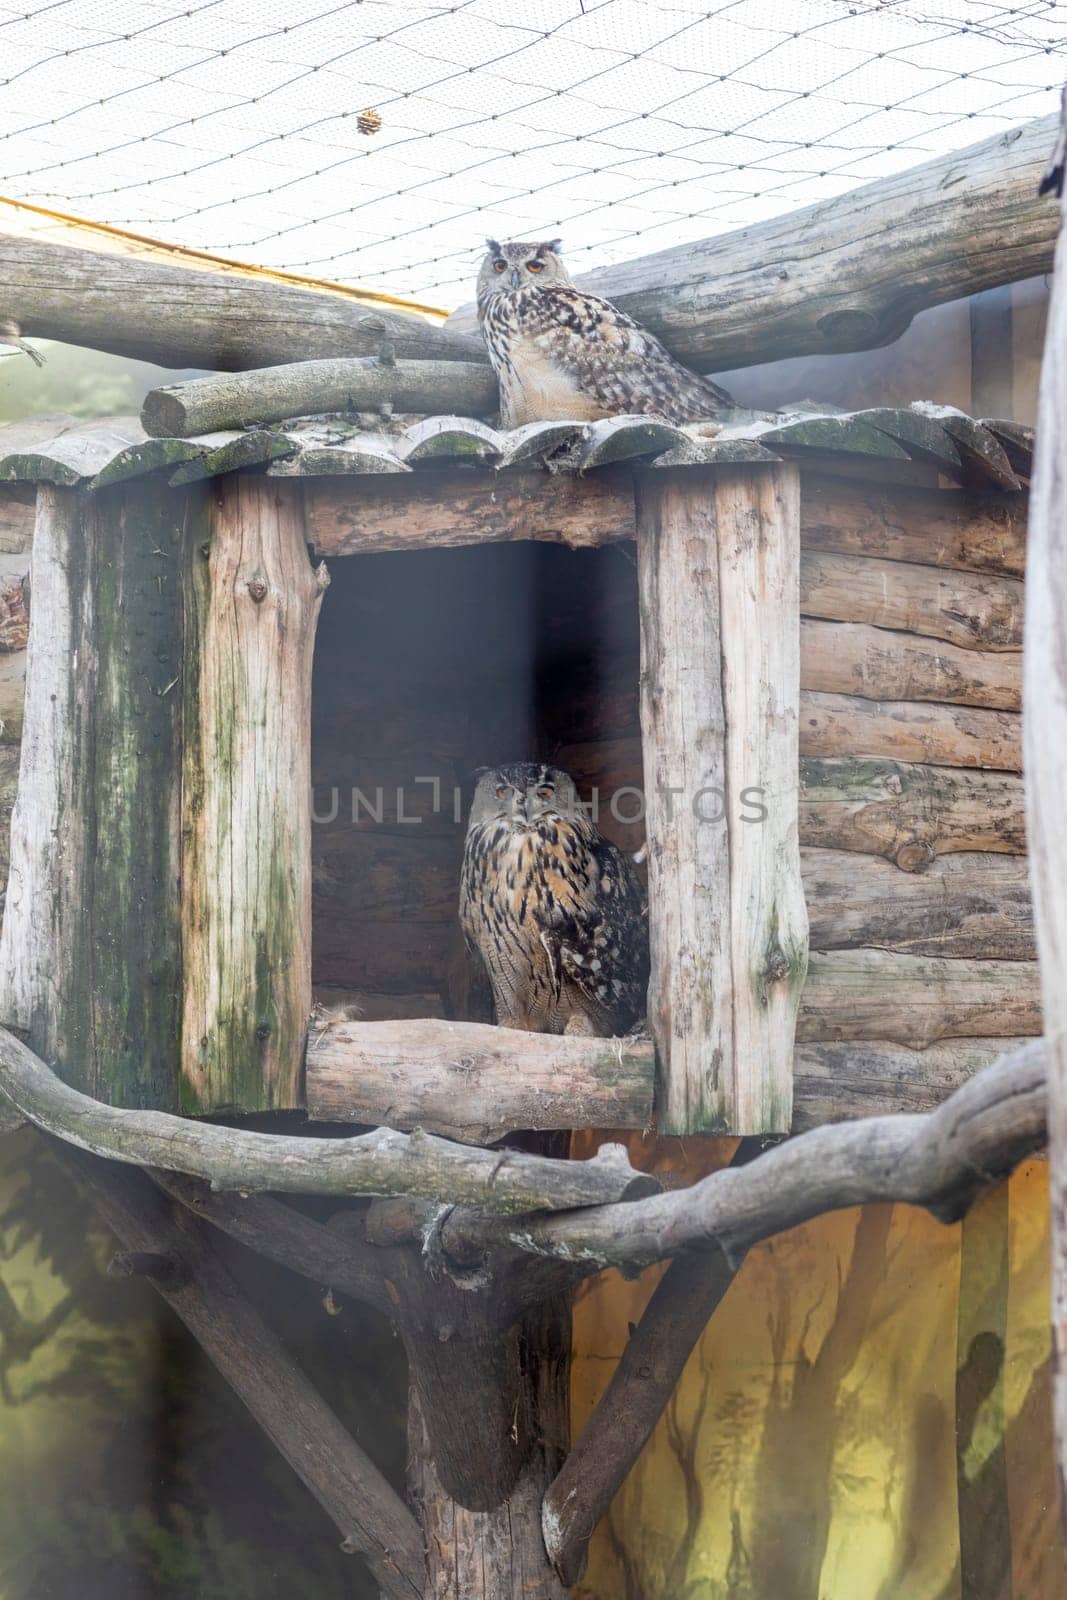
<point x="867" y="1416"/>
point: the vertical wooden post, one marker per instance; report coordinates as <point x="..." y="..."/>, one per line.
<point x="1045" y="768"/>
<point x="252" y="606"/>
<point x="718" y="573"/>
<point x="90" y="951"/>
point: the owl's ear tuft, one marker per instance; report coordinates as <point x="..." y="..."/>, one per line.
<point x="551" y="247"/>
<point x="493" y="246"/>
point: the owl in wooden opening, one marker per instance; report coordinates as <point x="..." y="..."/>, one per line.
<point x="554" y="911"/>
<point x="561" y="354"/>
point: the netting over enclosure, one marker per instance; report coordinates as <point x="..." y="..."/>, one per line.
<point x="379" y="140"/>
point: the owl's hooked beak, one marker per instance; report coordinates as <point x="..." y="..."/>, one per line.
<point x="516" y="278"/>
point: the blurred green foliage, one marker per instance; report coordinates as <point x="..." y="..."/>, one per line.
<point x="87" y="383"/>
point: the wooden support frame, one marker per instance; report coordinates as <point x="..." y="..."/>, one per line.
<point x="718" y="573"/>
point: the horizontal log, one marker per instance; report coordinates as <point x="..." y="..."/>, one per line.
<point x="909" y="812"/>
<point x="974" y="531"/>
<point x="974" y="610"/>
<point x="302" y="388"/>
<point x="475" y="1083"/>
<point x="850" y="273"/>
<point x="838" y="1082"/>
<point x="453" y="508"/>
<point x="904" y="730"/>
<point x="916" y="1000"/>
<point x="964" y="906"/>
<point x="382" y="1162"/>
<point x="880" y="664"/>
<point x="186" y="317"/>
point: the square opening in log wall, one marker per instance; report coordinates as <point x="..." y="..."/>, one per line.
<point x="429" y="664"/>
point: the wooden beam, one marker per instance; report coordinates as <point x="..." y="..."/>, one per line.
<point x="849" y="273"/>
<point x="186" y="317"/>
<point x="717" y="576"/>
<point x="456" y="507"/>
<point x="909" y="813"/>
<point x="971" y="530"/>
<point x="973" y="610"/>
<point x="916" y="1000"/>
<point x="474" y="1083"/>
<point x="844" y="1080"/>
<point x="1045" y="722"/>
<point x="943" y="736"/>
<point x="252" y="603"/>
<point x="302" y="388"/>
<point x="95" y="830"/>
<point x="880" y="664"/>
<point x="975" y="906"/>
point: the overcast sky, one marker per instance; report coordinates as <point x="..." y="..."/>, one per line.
<point x="624" y="125"/>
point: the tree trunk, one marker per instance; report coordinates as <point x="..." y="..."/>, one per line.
<point x="500" y="1554"/>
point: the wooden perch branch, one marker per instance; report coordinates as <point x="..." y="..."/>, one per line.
<point x="939" y="1159"/>
<point x="378" y="1163"/>
<point x="370" y="1515"/>
<point x="846" y="274"/>
<point x="208" y="405"/>
<point x="185" y="317"/>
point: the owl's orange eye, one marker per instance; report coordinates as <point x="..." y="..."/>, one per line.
<point x="546" y="793"/>
<point x="499" y="264"/>
<point x="535" y="266"/>
<point x="501" y="790"/>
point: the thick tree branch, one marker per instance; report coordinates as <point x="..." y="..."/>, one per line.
<point x="370" y="1515"/>
<point x="622" y="1423"/>
<point x="848" y="273"/>
<point x="378" y="1163"/>
<point x="330" y="1258"/>
<point x="940" y="1160"/>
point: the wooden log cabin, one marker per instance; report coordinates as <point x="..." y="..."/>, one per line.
<point x="808" y="627"/>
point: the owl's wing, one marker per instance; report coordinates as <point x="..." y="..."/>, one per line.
<point x="599" y="943"/>
<point x="613" y="358"/>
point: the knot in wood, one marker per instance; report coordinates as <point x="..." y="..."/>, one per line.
<point x="257" y="589"/>
<point x="915" y="856"/>
<point x="850" y="323"/>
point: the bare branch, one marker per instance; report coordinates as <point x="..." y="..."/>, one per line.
<point x="631" y="1406"/>
<point x="378" y="1163"/>
<point x="368" y="1512"/>
<point x="940" y="1160"/>
<point x="330" y="1258"/>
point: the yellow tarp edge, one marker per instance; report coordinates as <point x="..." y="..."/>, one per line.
<point x="19" y="216"/>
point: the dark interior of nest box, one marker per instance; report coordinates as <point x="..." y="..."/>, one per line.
<point x="428" y="665"/>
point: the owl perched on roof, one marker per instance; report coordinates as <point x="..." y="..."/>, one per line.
<point x="561" y="354"/>
<point x="553" y="910"/>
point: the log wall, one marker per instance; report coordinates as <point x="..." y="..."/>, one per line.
<point x="434" y="661"/>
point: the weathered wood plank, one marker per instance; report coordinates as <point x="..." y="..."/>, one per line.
<point x="718" y="708"/>
<point x="904" y="730"/>
<point x="758" y="531"/>
<point x="916" y="1000"/>
<point x="89" y="955"/>
<point x="848" y="274"/>
<point x="452" y="508"/>
<point x="879" y="664"/>
<point x="968" y="905"/>
<point x="836" y="1082"/>
<point x="252" y="603"/>
<point x="472" y="1082"/>
<point x="184" y="317"/>
<point x="909" y="813"/>
<point x="974" y="610"/>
